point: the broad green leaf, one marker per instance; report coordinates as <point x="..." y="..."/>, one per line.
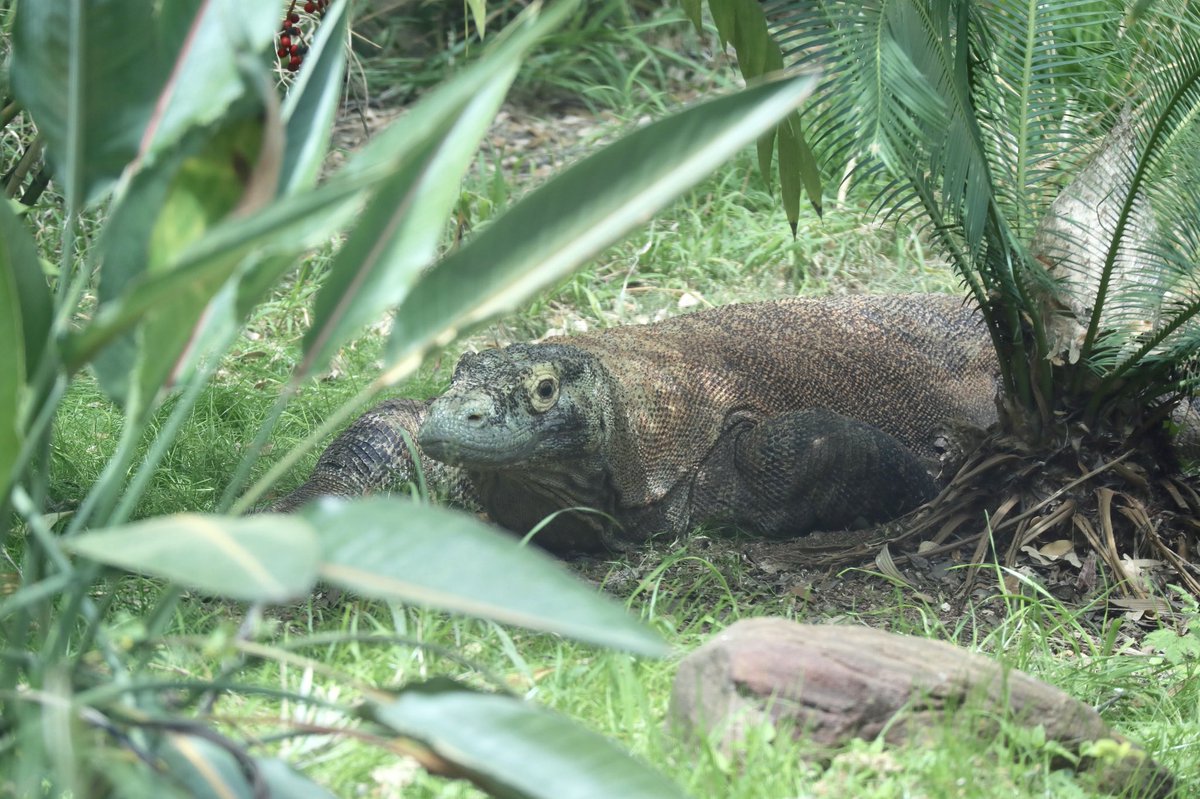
<point x="229" y="308"/>
<point x="12" y="360"/>
<point x="789" y="173"/>
<point x="122" y="254"/>
<point x="765" y="149"/>
<point x="268" y="558"/>
<point x="312" y="101"/>
<point x="403" y="223"/>
<point x="220" y="186"/>
<point x="400" y="230"/>
<point x="593" y="204"/>
<point x="110" y="82"/>
<point x="302" y="219"/>
<point x="724" y="14"/>
<point x="89" y="74"/>
<point x="810" y="170"/>
<point x="744" y="25"/>
<point x="202" y="769"/>
<point x="131" y="778"/>
<point x="285" y="781"/>
<point x="215" y="48"/>
<point x="292" y="225"/>
<point x="798" y="170"/>
<point x="692" y="9"/>
<point x="192" y="766"/>
<point x="394" y="549"/>
<point x="479" y="15"/>
<point x="25" y="320"/>
<point x="517" y="750"/>
<point x="168" y="205"/>
<point x="19" y="255"/>
<point x="758" y="53"/>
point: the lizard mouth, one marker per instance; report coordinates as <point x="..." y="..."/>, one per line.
<point x="458" y="453"/>
<point x="473" y="448"/>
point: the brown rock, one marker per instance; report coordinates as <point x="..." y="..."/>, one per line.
<point x="832" y="683"/>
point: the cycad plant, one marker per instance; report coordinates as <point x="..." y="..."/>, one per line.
<point x="1049" y="148"/>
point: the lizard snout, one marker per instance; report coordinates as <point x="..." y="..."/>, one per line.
<point x="474" y="412"/>
<point x="454" y="424"/>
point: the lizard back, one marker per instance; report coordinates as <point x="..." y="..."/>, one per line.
<point x="902" y="363"/>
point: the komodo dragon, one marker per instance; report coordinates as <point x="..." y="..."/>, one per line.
<point x="776" y="417"/>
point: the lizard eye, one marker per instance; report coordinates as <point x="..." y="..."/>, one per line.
<point x="544" y="392"/>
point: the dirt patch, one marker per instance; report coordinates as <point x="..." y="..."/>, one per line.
<point x="710" y="579"/>
<point x="707" y="580"/>
<point x="527" y="144"/>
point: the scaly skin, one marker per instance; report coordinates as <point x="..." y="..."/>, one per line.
<point x="371" y="456"/>
<point x="776" y="417"/>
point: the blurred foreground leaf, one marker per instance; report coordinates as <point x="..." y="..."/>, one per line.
<point x="577" y="214"/>
<point x="268" y="558"/>
<point x="394" y="549"/>
<point x="517" y="750"/>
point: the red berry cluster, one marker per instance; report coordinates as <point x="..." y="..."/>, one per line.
<point x="291" y="44"/>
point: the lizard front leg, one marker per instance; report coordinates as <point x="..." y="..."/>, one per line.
<point x="796" y="472"/>
<point x="372" y="455"/>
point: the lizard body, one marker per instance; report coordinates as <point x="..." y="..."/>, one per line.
<point x="778" y="417"/>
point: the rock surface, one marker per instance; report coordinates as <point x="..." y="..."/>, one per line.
<point x="833" y="683"/>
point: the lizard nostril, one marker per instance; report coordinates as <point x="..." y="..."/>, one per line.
<point x="475" y="418"/>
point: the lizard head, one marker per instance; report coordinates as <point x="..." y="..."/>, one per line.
<point x="527" y="405"/>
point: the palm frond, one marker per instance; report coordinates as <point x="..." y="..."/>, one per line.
<point x="1171" y="290"/>
<point x="1027" y="107"/>
<point x="1170" y="67"/>
<point x="1042" y="142"/>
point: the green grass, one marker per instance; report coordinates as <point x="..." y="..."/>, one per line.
<point x="626" y="698"/>
<point x="727" y="241"/>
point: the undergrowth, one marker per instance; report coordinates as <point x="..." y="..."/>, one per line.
<point x="727" y="241"/>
